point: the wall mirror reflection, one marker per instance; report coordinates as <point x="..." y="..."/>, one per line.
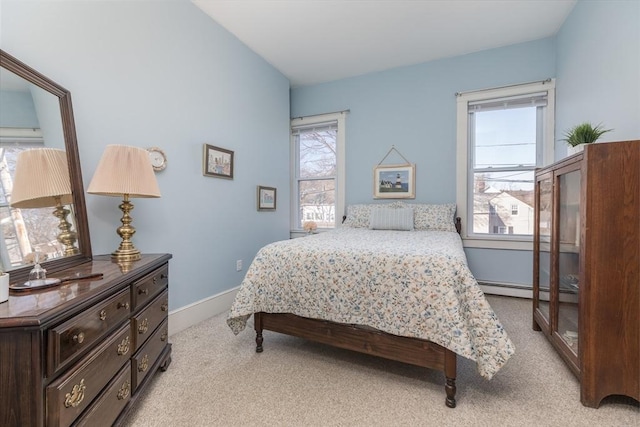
<point x="42" y="208"/>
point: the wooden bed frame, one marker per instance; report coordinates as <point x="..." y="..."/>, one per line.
<point x="365" y="340"/>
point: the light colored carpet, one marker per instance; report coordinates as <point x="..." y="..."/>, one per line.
<point x="217" y="379"/>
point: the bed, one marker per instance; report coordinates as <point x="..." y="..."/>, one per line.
<point x="393" y="282"/>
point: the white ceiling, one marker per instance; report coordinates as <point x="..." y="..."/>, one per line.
<point x="316" y="41"/>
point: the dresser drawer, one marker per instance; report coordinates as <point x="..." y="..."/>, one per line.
<point x="69" y="395"/>
<point x="145" y="358"/>
<point x="148" y="319"/>
<point x="84" y="330"/>
<point x="145" y="289"/>
<point x="107" y="407"/>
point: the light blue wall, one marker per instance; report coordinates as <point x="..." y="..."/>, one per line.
<point x="164" y="74"/>
<point x="595" y="58"/>
<point x="598" y="69"/>
<point x="415" y="109"/>
<point x="17" y="110"/>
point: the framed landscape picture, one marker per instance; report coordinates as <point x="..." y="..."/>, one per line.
<point x="394" y="182"/>
<point x="266" y="198"/>
<point x="217" y="162"/>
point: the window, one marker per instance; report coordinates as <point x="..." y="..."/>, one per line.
<point x="317" y="148"/>
<point x="504" y="134"/>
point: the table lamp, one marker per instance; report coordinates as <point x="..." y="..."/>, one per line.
<point x="42" y="180"/>
<point x="126" y="172"/>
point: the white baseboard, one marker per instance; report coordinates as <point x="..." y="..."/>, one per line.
<point x="199" y="311"/>
<point x="506" y="289"/>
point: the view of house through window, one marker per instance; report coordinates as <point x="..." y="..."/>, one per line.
<point x="505" y="144"/>
<point x="504" y="157"/>
<point x="316" y="171"/>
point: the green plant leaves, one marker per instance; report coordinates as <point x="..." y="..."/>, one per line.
<point x="584" y="133"/>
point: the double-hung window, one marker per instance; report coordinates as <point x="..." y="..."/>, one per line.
<point x="317" y="153"/>
<point x="503" y="135"/>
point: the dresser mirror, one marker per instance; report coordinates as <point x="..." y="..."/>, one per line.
<point x="37" y="112"/>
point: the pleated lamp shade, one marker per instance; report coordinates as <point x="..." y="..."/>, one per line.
<point x="42" y="176"/>
<point x="124" y="170"/>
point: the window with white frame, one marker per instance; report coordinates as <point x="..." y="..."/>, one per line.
<point x="317" y="152"/>
<point x="503" y="135"/>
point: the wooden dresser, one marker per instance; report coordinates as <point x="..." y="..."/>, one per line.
<point x="81" y="353"/>
<point x="586" y="278"/>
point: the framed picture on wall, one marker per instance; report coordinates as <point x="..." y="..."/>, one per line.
<point x="266" y="198"/>
<point x="217" y="162"/>
<point x="394" y="181"/>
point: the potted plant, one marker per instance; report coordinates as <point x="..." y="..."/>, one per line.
<point x="584" y="133"/>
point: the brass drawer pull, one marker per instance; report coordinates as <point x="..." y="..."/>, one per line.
<point x="78" y="338"/>
<point x="103" y="315"/>
<point x="124" y="305"/>
<point x="164" y="306"/>
<point x="123" y="393"/>
<point x="164" y="276"/>
<point x="144" y="363"/>
<point x="123" y="347"/>
<point x="163" y="337"/>
<point x="76" y="396"/>
<point x="155" y="280"/>
<point x="144" y="326"/>
<point x="143" y="291"/>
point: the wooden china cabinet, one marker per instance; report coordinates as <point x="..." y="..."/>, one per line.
<point x="586" y="279"/>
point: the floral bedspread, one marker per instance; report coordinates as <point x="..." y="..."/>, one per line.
<point x="408" y="283"/>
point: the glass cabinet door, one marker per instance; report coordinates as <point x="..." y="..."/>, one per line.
<point x="568" y="258"/>
<point x="545" y="213"/>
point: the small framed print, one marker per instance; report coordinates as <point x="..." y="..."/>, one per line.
<point x="217" y="162"/>
<point x="266" y="198"/>
<point x="394" y="182"/>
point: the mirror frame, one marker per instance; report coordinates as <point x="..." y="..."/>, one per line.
<point x="75" y="173"/>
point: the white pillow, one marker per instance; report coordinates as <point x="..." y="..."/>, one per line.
<point x="391" y="219"/>
<point x="358" y="216"/>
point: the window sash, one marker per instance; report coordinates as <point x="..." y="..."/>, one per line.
<point x="465" y="173"/>
<point x="320" y="123"/>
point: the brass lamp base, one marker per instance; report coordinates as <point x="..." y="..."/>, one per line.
<point x="126" y="252"/>
<point x="125" y="256"/>
<point x="67" y="236"/>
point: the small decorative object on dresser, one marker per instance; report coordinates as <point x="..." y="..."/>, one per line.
<point x="586" y="269"/>
<point x="4" y="286"/>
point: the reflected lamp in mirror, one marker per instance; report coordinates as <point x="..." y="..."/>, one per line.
<point x="42" y="180"/>
<point x="126" y="172"/>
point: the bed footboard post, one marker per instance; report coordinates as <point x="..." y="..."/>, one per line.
<point x="450" y="375"/>
<point x="257" y="320"/>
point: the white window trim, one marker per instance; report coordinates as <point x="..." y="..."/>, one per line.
<point x="462" y="152"/>
<point x="341" y="169"/>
